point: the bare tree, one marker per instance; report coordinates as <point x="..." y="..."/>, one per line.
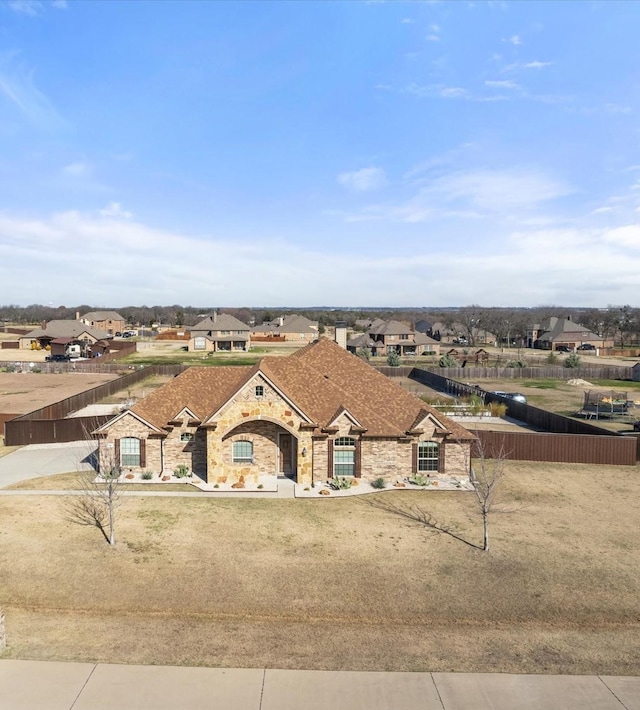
<point x="486" y="478"/>
<point x="97" y="502"/>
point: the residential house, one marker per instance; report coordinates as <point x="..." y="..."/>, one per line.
<point x="109" y="321"/>
<point x="561" y="333"/>
<point x="220" y="332"/>
<point x="459" y="334"/>
<point x="314" y="415"/>
<point x="386" y="337"/>
<point x="57" y="334"/>
<point x="293" y="328"/>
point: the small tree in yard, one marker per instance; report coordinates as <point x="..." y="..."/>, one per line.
<point x="393" y="359"/>
<point x="572" y="360"/>
<point x="96" y="504"/>
<point x="486" y="479"/>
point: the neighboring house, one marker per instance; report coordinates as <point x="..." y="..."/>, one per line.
<point x="424" y="326"/>
<point x="316" y="414"/>
<point x="290" y="328"/>
<point x="554" y="333"/>
<point x="386" y="337"/>
<point x="109" y="321"/>
<point x="220" y="332"/>
<point x="69" y="331"/>
<point x="457" y="333"/>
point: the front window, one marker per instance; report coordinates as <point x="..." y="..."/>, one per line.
<point x="129" y="452"/>
<point x="259" y="391"/>
<point x="186" y="436"/>
<point x="344" y="456"/>
<point x="242" y="452"/>
<point x="199" y="343"/>
<point x="428" y="456"/>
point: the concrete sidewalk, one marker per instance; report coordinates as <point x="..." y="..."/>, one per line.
<point x="35" y="685"/>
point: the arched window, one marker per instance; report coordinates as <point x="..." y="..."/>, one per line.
<point x="344" y="456"/>
<point x="129" y="452"/>
<point x="242" y="452"/>
<point x="428" y="456"/>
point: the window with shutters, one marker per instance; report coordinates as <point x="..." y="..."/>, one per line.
<point x="428" y="456"/>
<point x="129" y="452"/>
<point x="344" y="456"/>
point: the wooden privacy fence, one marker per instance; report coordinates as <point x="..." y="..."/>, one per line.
<point x="564" y="439"/>
<point x="49" y="424"/>
<point x="547" y="372"/>
<point x="564" y="448"/>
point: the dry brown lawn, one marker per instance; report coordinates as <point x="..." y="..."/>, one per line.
<point x="337" y="584"/>
<point x="23" y="392"/>
<point x="74" y="481"/>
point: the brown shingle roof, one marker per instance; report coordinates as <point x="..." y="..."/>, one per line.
<point x="320" y="380"/>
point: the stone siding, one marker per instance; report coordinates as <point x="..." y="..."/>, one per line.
<point x="259" y="416"/>
<point x="129" y="426"/>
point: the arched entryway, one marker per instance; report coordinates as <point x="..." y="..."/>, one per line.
<point x="264" y="446"/>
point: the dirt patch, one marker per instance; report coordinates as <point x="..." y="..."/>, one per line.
<point x="337" y="584"/>
<point x="23" y="392"/>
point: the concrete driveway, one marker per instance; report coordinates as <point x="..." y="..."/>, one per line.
<point x="38" y="460"/>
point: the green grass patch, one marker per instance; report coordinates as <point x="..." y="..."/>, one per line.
<point x="542" y="384"/>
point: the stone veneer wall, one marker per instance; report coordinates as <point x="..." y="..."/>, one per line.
<point x="255" y="412"/>
<point x="130" y="426"/>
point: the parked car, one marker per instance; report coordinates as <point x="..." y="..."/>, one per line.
<point x="57" y="358"/>
<point x="563" y="349"/>
<point x="516" y="397"/>
<point x="586" y="346"/>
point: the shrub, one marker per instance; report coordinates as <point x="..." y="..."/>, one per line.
<point x="341" y="483"/>
<point x="379" y="483"/>
<point x="448" y="361"/>
<point x="364" y="353"/>
<point x="572" y="360"/>
<point x="516" y="363"/>
<point x="552" y="358"/>
<point x="497" y="409"/>
<point x="181" y="471"/>
<point x="260" y="486"/>
<point x="393" y="360"/>
<point x="419" y="480"/>
<point x="147" y="475"/>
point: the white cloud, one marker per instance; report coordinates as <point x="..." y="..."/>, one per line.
<point x="114" y="210"/>
<point x="26" y="7"/>
<point x="433" y="38"/>
<point x="407" y="21"/>
<point x="78" y="169"/>
<point x="616" y="108"/>
<point x="18" y="86"/>
<point x="165" y="267"/>
<point x="537" y="65"/>
<point x="507" y="84"/>
<point x="60" y="4"/>
<point x="363" y="180"/>
<point x="514" y="40"/>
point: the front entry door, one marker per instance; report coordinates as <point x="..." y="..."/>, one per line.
<point x="285" y="454"/>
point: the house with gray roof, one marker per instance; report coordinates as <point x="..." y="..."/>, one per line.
<point x="220" y="332"/>
<point x="109" y="321"/>
<point x="67" y="332"/>
<point x="386" y="337"/>
<point x="291" y="327"/>
<point x="561" y="333"/>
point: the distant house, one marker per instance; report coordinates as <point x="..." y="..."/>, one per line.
<point x="220" y="332"/>
<point x="57" y="334"/>
<point x="457" y="333"/>
<point x="318" y="414"/>
<point x="386" y="337"/>
<point x="561" y="333"/>
<point x="109" y="321"/>
<point x="424" y="326"/>
<point x="289" y="328"/>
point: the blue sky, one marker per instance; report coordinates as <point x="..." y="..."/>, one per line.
<point x="319" y="153"/>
